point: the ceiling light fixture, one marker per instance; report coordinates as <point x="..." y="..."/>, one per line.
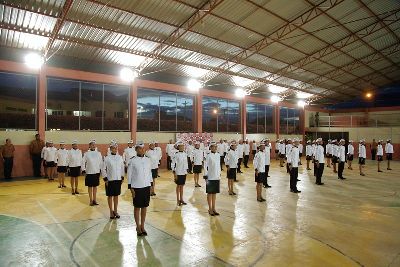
<point x="275" y="89"/>
<point x="240" y="93"/>
<point x="303" y="95"/>
<point x="34" y="61"/>
<point x="301" y="103"/>
<point x="194" y="85"/>
<point x="128" y="74"/>
<point x="275" y="99"/>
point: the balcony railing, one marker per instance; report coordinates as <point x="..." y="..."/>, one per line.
<point x="370" y="120"/>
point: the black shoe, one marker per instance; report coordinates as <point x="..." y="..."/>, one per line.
<point x="95" y="203"/>
<point x="233" y="193"/>
<point x="298" y="180"/>
<point x="183" y="203"/>
<point x="320" y="183"/>
<point x="380" y="171"/>
<point x="297" y="191"/>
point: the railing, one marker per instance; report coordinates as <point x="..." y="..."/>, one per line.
<point x="368" y="120"/>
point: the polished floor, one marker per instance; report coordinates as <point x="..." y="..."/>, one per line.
<point x="355" y="222"/>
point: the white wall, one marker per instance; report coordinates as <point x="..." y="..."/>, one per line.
<point x="367" y="133"/>
<point x="84" y="137"/>
<point x="18" y="137"/>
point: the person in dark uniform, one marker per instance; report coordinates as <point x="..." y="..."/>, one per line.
<point x="7" y="154"/>
<point x="341" y="157"/>
<point x="319" y="162"/>
<point x="373" y="147"/>
<point x="35" y="150"/>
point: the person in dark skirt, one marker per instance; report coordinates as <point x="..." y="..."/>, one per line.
<point x="92" y="164"/>
<point x="61" y="158"/>
<point x="74" y="166"/>
<point x="379" y="154"/>
<point x="309" y="154"/>
<point x="350" y="154"/>
<point x="113" y="176"/>
<point x="213" y="172"/>
<point x="139" y="183"/>
<point x="197" y="158"/>
<point x="362" y="155"/>
<point x="231" y="161"/>
<point x="49" y="156"/>
<point x="259" y="168"/>
<point x="389" y="153"/>
<point x="154" y="156"/>
<point x="179" y="168"/>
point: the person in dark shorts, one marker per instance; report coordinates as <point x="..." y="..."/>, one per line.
<point x="213" y="172"/>
<point x="231" y="161"/>
<point x="362" y="155"/>
<point x="61" y="158"/>
<point x="139" y="183"/>
<point x="197" y="158"/>
<point x="74" y="166"/>
<point x="259" y="168"/>
<point x="350" y="154"/>
<point x="91" y="165"/>
<point x="180" y="167"/>
<point x="379" y="154"/>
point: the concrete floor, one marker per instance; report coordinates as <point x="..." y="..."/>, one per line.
<point x="343" y="223"/>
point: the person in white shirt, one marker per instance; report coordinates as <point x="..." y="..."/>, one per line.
<point x="221" y="152"/>
<point x="239" y="151"/>
<point x="379" y="154"/>
<point x="227" y="146"/>
<point x="288" y="149"/>
<point x="109" y="149"/>
<point x="259" y="169"/>
<point x="74" y="166"/>
<point x="254" y="148"/>
<point x="92" y="163"/>
<point x="196" y="159"/>
<point x="267" y="151"/>
<point x="335" y="149"/>
<point x="350" y="154"/>
<point x="139" y="183"/>
<point x="389" y="153"/>
<point x="341" y="156"/>
<point x="50" y="157"/>
<point x="282" y="153"/>
<point x="314" y="150"/>
<point x="189" y="151"/>
<point x="362" y="155"/>
<point x="277" y="142"/>
<point x="231" y="162"/>
<point x="169" y="149"/>
<point x="246" y="152"/>
<point x="180" y="167"/>
<point x="159" y="152"/>
<point x="212" y="170"/>
<point x="62" y="164"/>
<point x="129" y="152"/>
<point x="113" y="176"/>
<point x="309" y="154"/>
<point x="319" y="161"/>
<point x="328" y="151"/>
<point x="293" y="162"/>
<point x="154" y="157"/>
<point x="46" y="175"/>
<point x="300" y="151"/>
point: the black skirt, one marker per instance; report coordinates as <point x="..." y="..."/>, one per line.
<point x="254" y="152"/>
<point x="180" y="179"/>
<point x="231" y="173"/>
<point x="334" y="159"/>
<point x="379" y="158"/>
<point x="50" y="164"/>
<point x="142" y="197"/>
<point x="329" y="156"/>
<point x="260" y="178"/>
<point x="389" y="156"/>
<point x="300" y="155"/>
<point x="197" y="168"/>
<point x="308" y="157"/>
<point x="212" y="186"/>
<point x="154" y="173"/>
<point x="44" y="163"/>
<point x="75" y="171"/>
<point x="361" y="161"/>
<point x="205" y="177"/>
<point x="276" y="151"/>
<point x="113" y="188"/>
<point x="92" y="180"/>
<point x="62" y="169"/>
<point x="282" y="156"/>
<point x="350" y="157"/>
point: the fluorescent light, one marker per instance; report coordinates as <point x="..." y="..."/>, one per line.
<point x="240" y="93"/>
<point x="195" y="72"/>
<point x="275" y="89"/>
<point x="240" y="81"/>
<point x="275" y="99"/>
<point x="301" y="103"/>
<point x="128" y="75"/>
<point x="34" y="61"/>
<point x="303" y="95"/>
<point x="194" y="85"/>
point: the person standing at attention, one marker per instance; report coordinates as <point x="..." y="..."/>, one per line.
<point x="74" y="166"/>
<point x="350" y="154"/>
<point x="231" y="161"/>
<point x="212" y="171"/>
<point x="7" y="154"/>
<point x="153" y="155"/>
<point x="259" y="169"/>
<point x="197" y="162"/>
<point x="92" y="165"/>
<point x="389" y="153"/>
<point x="379" y="154"/>
<point x="62" y="164"/>
<point x="341" y="155"/>
<point x="373" y="146"/>
<point x="129" y="152"/>
<point x="362" y="155"/>
<point x="319" y="162"/>
<point x="189" y="151"/>
<point x="50" y="158"/>
<point x="35" y="149"/>
<point x="293" y="162"/>
<point x="309" y="154"/>
<point x="246" y="152"/>
<point x="180" y="167"/>
<point x="169" y="150"/>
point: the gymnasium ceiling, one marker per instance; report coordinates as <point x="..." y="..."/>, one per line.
<point x="334" y="50"/>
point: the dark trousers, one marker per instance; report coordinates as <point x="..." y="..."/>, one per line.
<point x="340" y="169"/>
<point x="246" y="160"/>
<point x="36" y="160"/>
<point x="190" y="167"/>
<point x="238" y="165"/>
<point x="294" y="173"/>
<point x="169" y="163"/>
<point x="8" y="166"/>
<point x="221" y="161"/>
<point x="373" y="153"/>
<point x="319" y="172"/>
<point x="266" y="175"/>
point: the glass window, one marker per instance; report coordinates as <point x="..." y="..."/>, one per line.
<point x="251" y="118"/>
<point x="283" y="115"/>
<point x="148" y="102"/>
<point x="289" y="121"/>
<point x="18" y="101"/>
<point x="269" y="119"/>
<point x="234" y="116"/>
<point x="167" y="112"/>
<point x="210" y="114"/>
<point x="62" y="104"/>
<point x="260" y="118"/>
<point x="116" y="107"/>
<point x="184" y="110"/>
<point x="221" y="115"/>
<point x="91" y="106"/>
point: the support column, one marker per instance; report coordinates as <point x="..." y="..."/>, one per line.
<point x="133" y="110"/>
<point x="277" y="122"/>
<point x="302" y="125"/>
<point x="41" y="103"/>
<point x="198" y="120"/>
<point x="244" y="118"/>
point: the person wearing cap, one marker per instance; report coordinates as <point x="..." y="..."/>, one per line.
<point x="309" y="154"/>
<point x="341" y="157"/>
<point x="350" y="154"/>
<point x="189" y="150"/>
<point x="267" y="152"/>
<point x="139" y="183"/>
<point x="282" y="152"/>
<point x="335" y="149"/>
<point x="226" y="147"/>
<point x="157" y="148"/>
<point x="373" y="146"/>
<point x="314" y="151"/>
<point x="288" y="150"/>
<point x="92" y="164"/>
<point x="169" y="152"/>
<point x="212" y="171"/>
<point x="154" y="157"/>
<point x="113" y="176"/>
<point x="246" y="152"/>
<point x="362" y="155"/>
<point x="49" y="156"/>
<point x="277" y="142"/>
<point x="180" y="167"/>
<point x="254" y="148"/>
<point x="108" y="148"/>
<point x="389" y="153"/>
<point x="300" y="151"/>
<point x="7" y="154"/>
<point x="129" y="152"/>
<point x="379" y="154"/>
<point x="259" y="169"/>
<point x="328" y="151"/>
<point x="62" y="164"/>
<point x="196" y="159"/>
<point x="35" y="149"/>
<point x="239" y="151"/>
<point x="221" y="152"/>
<point x="74" y="166"/>
<point x="231" y="162"/>
<point x="319" y="162"/>
<point x="293" y="162"/>
<point x="45" y="168"/>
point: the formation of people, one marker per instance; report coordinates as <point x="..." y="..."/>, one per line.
<point x="194" y="157"/>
